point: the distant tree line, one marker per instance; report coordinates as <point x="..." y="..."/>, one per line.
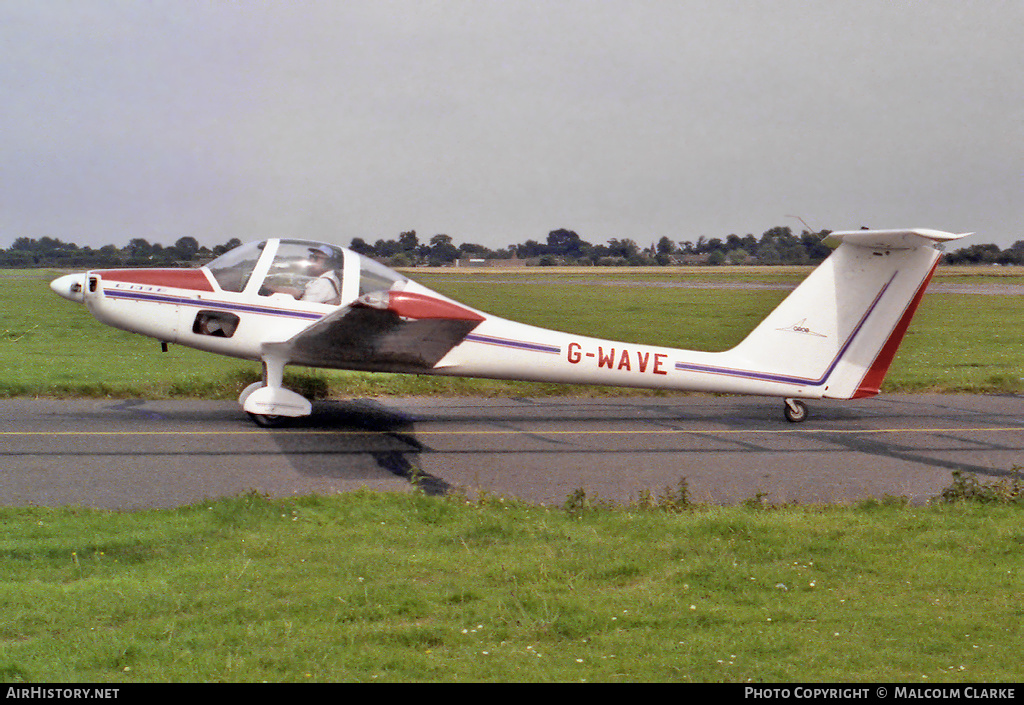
<point x="776" y="246"/>
<point x="988" y="254"/>
<point x="566" y="247"/>
<point x="52" y="252"/>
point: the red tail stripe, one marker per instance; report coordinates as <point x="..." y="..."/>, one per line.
<point x="872" y="381"/>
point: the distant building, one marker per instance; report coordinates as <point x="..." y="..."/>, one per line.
<point x="477" y="262"/>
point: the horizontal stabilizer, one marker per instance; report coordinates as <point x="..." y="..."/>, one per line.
<point x="892" y="239"/>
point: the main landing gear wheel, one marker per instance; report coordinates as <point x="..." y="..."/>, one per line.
<point x="268" y="421"/>
<point x="268" y="403"/>
<point x="795" y="410"/>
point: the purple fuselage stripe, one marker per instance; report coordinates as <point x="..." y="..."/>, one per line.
<point x="785" y="379"/>
<point x="208" y="303"/>
<point x="517" y="344"/>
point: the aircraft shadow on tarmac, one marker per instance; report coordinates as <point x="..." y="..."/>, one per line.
<point x="360" y="438"/>
<point x="366" y="436"/>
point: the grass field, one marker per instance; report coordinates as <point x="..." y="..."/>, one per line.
<point x="957" y="342"/>
<point x="405" y="587"/>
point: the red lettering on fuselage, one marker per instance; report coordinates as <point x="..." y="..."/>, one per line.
<point x="659" y="358"/>
<point x="623" y="361"/>
<point x="641" y="360"/>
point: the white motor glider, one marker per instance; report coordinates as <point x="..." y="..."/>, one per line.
<point x="285" y="301"/>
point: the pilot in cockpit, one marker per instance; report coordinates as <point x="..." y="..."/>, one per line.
<point x="326" y="287"/>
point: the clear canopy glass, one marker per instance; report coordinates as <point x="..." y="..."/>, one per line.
<point x="305" y="269"/>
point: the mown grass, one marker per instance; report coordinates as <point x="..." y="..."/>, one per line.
<point x="962" y="343"/>
<point x="405" y="587"/>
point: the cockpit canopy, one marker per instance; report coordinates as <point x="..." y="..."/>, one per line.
<point x="309" y="271"/>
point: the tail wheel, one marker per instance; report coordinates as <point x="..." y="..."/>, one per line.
<point x="795" y="410"/>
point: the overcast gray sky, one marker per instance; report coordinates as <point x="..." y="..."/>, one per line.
<point x="496" y="122"/>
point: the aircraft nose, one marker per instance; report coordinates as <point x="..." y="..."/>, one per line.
<point x="70" y="286"/>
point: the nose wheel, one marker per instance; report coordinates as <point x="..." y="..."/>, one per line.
<point x="795" y="410"/>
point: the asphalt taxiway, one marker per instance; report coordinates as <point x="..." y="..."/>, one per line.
<point x="132" y="454"/>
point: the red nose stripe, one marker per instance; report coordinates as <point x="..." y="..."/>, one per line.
<point x="193" y="279"/>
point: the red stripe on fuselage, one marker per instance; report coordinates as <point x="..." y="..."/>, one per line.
<point x="194" y="279"/>
<point x="872" y="382"/>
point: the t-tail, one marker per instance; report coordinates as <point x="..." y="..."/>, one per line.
<point x="836" y="334"/>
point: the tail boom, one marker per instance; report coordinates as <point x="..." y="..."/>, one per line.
<point x="834" y="336"/>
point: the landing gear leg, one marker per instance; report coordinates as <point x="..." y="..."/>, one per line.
<point x="268" y="403"/>
<point x="795" y="410"/>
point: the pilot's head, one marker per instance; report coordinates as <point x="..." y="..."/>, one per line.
<point x="321" y="259"/>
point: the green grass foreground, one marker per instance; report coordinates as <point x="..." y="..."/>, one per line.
<point x="406" y="587"/>
<point x="957" y="342"/>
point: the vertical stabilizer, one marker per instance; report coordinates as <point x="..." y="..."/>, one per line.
<point x="836" y="334"/>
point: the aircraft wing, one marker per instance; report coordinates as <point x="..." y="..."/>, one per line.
<point x="389" y="331"/>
